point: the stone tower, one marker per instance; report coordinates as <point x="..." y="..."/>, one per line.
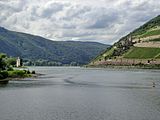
<point x="18" y="62"/>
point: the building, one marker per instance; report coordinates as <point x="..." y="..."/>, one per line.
<point x="18" y="62"/>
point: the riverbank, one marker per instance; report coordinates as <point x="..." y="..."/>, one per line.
<point x="6" y="76"/>
<point x="6" y="80"/>
<point x="125" y="66"/>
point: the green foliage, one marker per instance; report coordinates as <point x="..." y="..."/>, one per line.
<point x="11" y="61"/>
<point x="41" y="63"/>
<point x="18" y="73"/>
<point x="2" y="55"/>
<point x="36" y="48"/>
<point x="142" y="53"/>
<point x="155" y="22"/>
<point x="3" y="74"/>
<point x="10" y="69"/>
<point x="6" y="69"/>
<point x="155" y="40"/>
<point x="3" y="64"/>
<point x="124" y="47"/>
<point x="151" y="33"/>
<point x="6" y="63"/>
<point x="33" y="72"/>
<point x="105" y="55"/>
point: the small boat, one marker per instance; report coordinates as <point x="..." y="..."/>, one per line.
<point x="153" y="84"/>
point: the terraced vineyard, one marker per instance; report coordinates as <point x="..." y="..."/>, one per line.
<point x="151" y="33"/>
<point x="142" y="53"/>
<point x="142" y="46"/>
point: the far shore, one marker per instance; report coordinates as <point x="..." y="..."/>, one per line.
<point x="124" y="66"/>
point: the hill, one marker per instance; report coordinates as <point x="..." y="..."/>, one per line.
<point x="40" y="51"/>
<point x="142" y="46"/>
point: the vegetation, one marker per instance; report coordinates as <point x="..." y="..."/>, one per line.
<point x="6" y="68"/>
<point x="151" y="33"/>
<point x="142" y="53"/>
<point x="155" y="40"/>
<point x="3" y="74"/>
<point x="152" y="24"/>
<point x="107" y="54"/>
<point x="124" y="48"/>
<point x="18" y="73"/>
<point x="40" y="51"/>
<point x="3" y="64"/>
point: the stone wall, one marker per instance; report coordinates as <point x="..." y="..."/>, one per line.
<point x="127" y="62"/>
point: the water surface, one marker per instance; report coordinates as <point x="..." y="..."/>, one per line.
<point x="73" y="93"/>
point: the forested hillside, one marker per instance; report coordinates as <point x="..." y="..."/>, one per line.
<point x="40" y="51"/>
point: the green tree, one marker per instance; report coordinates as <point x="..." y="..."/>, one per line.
<point x="3" y="64"/>
<point x="11" y="61"/>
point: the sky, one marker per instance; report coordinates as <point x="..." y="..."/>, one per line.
<point x="104" y="21"/>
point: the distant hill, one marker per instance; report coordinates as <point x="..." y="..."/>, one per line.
<point x="142" y="46"/>
<point x="36" y="49"/>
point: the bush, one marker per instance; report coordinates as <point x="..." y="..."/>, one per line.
<point x="33" y="72"/>
<point x="3" y="74"/>
<point x="28" y="72"/>
<point x="10" y="69"/>
<point x="17" y="73"/>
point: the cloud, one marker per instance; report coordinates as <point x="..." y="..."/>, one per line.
<point x="106" y="19"/>
<point x="50" y="8"/>
<point x="87" y="20"/>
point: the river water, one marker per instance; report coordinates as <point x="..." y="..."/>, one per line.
<point x="73" y="93"/>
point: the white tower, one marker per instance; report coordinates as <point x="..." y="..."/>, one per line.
<point x="18" y="63"/>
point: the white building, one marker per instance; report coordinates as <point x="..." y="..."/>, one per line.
<point x="18" y="63"/>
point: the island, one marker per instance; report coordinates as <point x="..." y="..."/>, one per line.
<point x="8" y="70"/>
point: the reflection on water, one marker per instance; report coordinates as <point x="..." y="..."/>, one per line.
<point x="72" y="93"/>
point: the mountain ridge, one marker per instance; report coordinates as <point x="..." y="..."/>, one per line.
<point x="33" y="48"/>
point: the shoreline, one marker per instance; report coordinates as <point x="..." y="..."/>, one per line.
<point x="6" y="80"/>
<point x="124" y="67"/>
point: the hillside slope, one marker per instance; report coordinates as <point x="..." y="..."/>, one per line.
<point x="142" y="46"/>
<point x="35" y="48"/>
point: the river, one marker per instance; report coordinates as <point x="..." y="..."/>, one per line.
<point x="74" y="93"/>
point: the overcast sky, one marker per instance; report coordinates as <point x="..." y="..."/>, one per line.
<point x="82" y="20"/>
